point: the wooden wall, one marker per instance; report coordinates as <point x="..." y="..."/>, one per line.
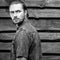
<point x="45" y="16"/>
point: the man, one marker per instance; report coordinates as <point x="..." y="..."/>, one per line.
<point x="27" y="45"/>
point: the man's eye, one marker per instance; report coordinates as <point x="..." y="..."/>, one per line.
<point x="18" y="11"/>
<point x="11" y="11"/>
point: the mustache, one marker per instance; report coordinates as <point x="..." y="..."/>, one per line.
<point x="15" y="18"/>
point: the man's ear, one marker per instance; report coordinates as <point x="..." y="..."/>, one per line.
<point x="25" y="12"/>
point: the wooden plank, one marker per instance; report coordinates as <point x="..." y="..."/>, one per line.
<point x="5" y="46"/>
<point x="50" y="57"/>
<point x="50" y="47"/>
<point x="27" y="2"/>
<point x="35" y="2"/>
<point x="3" y="3"/>
<point x="44" y="13"/>
<point x="51" y="3"/>
<point x="50" y="36"/>
<point x="3" y="13"/>
<point x="54" y="24"/>
<point x="46" y="24"/>
<point x="7" y="36"/>
<point x="10" y="36"/>
<point x="7" y="24"/>
<point x="39" y="24"/>
<point x="36" y="13"/>
<point x="5" y="56"/>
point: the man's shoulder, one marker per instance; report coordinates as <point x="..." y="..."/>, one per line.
<point x="29" y="27"/>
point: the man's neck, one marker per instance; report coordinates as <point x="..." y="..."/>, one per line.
<point x="21" y="23"/>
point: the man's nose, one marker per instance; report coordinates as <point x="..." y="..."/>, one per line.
<point x="15" y="14"/>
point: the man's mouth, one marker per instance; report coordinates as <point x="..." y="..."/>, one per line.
<point x="16" y="19"/>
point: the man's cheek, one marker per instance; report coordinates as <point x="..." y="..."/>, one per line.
<point x="12" y="16"/>
<point x="21" y="16"/>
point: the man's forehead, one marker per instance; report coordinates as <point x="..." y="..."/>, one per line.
<point x="16" y="6"/>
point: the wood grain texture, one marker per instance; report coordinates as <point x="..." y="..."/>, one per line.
<point x="49" y="36"/>
<point x="5" y="46"/>
<point x="7" y="24"/>
<point x="51" y="58"/>
<point x="40" y="3"/>
<point x="51" y="47"/>
<point x="5" y="56"/>
<point x="44" y="13"/>
<point x="46" y="24"/>
<point x="36" y="13"/>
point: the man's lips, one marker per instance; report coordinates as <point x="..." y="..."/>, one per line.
<point x="16" y="19"/>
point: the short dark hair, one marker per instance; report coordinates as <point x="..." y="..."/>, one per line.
<point x="10" y="2"/>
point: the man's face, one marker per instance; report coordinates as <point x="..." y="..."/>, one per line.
<point x="17" y="13"/>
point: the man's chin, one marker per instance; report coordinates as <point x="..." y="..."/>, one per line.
<point x="15" y="22"/>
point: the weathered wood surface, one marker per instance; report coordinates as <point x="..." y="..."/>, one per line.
<point x="3" y="13"/>
<point x="39" y="24"/>
<point x="50" y="36"/>
<point x="44" y="13"/>
<point x="46" y="24"/>
<point x="50" y="47"/>
<point x="5" y="46"/>
<point x="36" y="13"/>
<point x="7" y="36"/>
<point x="51" y="58"/>
<point x="51" y="3"/>
<point x="47" y="47"/>
<point x="7" y="24"/>
<point x="5" y="56"/>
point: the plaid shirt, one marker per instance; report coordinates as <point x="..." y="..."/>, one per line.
<point x="27" y="43"/>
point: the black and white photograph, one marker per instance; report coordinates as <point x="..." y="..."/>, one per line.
<point x="29" y="29"/>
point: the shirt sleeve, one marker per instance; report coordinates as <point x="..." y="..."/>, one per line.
<point x="37" y="48"/>
<point x="22" y="44"/>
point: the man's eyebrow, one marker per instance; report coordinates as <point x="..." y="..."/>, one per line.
<point x="12" y="11"/>
<point x="17" y="11"/>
